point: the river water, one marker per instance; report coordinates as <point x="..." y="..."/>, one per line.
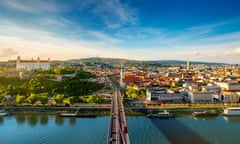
<point x="44" y="129"/>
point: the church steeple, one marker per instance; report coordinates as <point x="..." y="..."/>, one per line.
<point x="122" y="76"/>
<point x="122" y="73"/>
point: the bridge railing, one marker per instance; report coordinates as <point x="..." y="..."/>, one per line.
<point x="109" y="138"/>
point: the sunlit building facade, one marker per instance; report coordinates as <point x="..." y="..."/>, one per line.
<point x="32" y="64"/>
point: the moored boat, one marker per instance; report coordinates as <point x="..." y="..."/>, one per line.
<point x="163" y="114"/>
<point x="231" y="111"/>
<point x="4" y="114"/>
<point x="205" y="113"/>
<point x="76" y="115"/>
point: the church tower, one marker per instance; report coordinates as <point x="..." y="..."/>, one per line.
<point x="188" y="65"/>
<point x="122" y="76"/>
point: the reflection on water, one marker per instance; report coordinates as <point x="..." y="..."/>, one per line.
<point x="232" y="118"/>
<point x="20" y="119"/>
<point x="1" y="120"/>
<point x="72" y="121"/>
<point x="41" y="129"/>
<point x="59" y="121"/>
<point x="43" y="120"/>
<point x="33" y="120"/>
<point x="204" y="118"/>
<point x="177" y="133"/>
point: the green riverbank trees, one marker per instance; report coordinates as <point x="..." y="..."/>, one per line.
<point x="39" y="88"/>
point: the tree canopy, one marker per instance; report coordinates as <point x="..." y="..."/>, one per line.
<point x="39" y="88"/>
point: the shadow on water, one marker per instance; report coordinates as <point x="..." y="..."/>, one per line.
<point x="43" y="119"/>
<point x="177" y="133"/>
<point x="72" y="121"/>
<point x="1" y="120"/>
<point x="32" y="120"/>
<point x="20" y="119"/>
<point x="59" y="121"/>
<point x="232" y="119"/>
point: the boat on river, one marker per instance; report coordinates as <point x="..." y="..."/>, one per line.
<point x="163" y="114"/>
<point x="231" y="111"/>
<point x="205" y="113"/>
<point x="4" y="114"/>
<point x="76" y="114"/>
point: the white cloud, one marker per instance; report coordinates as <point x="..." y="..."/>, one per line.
<point x="29" y="42"/>
<point x="33" y="6"/>
<point x="113" y="13"/>
<point x="54" y="21"/>
<point x="237" y="51"/>
<point x="226" y="53"/>
<point x="223" y="38"/>
<point x="133" y="43"/>
<point x="6" y="52"/>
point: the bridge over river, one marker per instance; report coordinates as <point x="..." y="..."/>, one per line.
<point x="117" y="133"/>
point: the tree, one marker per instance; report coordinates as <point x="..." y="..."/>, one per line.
<point x="94" y="99"/>
<point x="134" y="95"/>
<point x="66" y="101"/>
<point x="59" y="98"/>
<point x="11" y="90"/>
<point x="44" y="98"/>
<point x="142" y="94"/>
<point x="73" y="99"/>
<point x="173" y="87"/>
<point x="35" y="85"/>
<point x="1" y="97"/>
<point x="32" y="98"/>
<point x="20" y="99"/>
<point x="131" y="93"/>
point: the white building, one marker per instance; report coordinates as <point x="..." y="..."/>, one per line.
<point x="32" y="64"/>
<point x="152" y="94"/>
<point x="161" y="95"/>
<point x="201" y="97"/>
<point x="213" y="89"/>
<point x="232" y="85"/>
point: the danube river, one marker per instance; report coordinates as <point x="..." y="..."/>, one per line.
<point x="44" y="129"/>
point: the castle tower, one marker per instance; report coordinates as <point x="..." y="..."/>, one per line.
<point x="18" y="62"/>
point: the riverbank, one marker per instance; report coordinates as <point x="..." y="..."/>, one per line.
<point x="105" y="110"/>
<point x="191" y="106"/>
<point x="52" y="110"/>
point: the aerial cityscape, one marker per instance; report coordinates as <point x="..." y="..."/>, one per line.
<point x="120" y="71"/>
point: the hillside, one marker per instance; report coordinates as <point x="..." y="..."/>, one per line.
<point x="126" y="61"/>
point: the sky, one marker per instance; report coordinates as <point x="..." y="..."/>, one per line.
<point x="195" y="30"/>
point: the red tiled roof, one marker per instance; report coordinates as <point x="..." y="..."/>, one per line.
<point x="130" y="78"/>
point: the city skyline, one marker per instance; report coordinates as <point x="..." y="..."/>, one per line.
<point x="141" y="30"/>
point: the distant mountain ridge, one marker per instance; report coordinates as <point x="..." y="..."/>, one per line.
<point x="123" y="61"/>
<point x="180" y="62"/>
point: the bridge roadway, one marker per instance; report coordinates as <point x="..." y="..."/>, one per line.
<point x="117" y="132"/>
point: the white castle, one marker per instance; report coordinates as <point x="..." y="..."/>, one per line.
<point x="32" y="64"/>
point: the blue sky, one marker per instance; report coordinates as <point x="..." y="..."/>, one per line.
<point x="197" y="30"/>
